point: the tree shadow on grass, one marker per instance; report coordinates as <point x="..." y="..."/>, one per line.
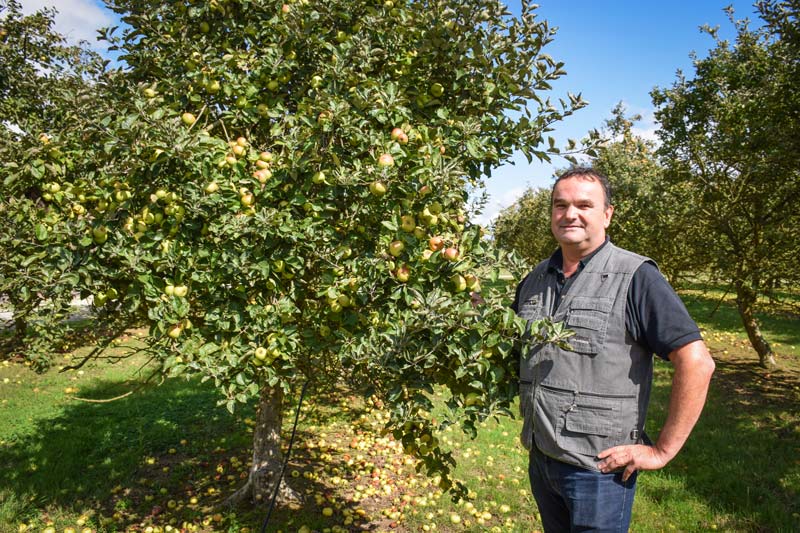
<point x="165" y="452"/>
<point x="742" y="457"/>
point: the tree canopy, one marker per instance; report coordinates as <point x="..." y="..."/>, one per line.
<point x="729" y="134"/>
<point x="278" y="191"/>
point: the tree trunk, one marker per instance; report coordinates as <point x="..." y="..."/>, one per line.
<point x="267" y="456"/>
<point x="745" y="301"/>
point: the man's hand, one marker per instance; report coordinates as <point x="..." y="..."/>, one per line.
<point x="631" y="457"/>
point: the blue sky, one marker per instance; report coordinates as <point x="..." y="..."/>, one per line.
<point x="613" y="50"/>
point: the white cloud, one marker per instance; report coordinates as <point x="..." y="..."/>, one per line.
<point x="647" y="127"/>
<point x="77" y="20"/>
<point x="493" y="207"/>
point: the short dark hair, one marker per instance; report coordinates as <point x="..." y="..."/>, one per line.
<point x="590" y="174"/>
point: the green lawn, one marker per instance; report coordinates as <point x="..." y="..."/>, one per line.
<point x="165" y="456"/>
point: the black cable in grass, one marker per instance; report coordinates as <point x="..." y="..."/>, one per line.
<point x="286" y="459"/>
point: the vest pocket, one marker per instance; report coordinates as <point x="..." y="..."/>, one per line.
<point x="588" y="318"/>
<point x="582" y="423"/>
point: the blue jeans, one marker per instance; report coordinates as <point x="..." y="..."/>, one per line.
<point x="574" y="499"/>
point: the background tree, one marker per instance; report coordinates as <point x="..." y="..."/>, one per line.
<point x="649" y="214"/>
<point x="648" y="217"/>
<point x="524" y="226"/>
<point x="730" y="134"/>
<point x="278" y="191"/>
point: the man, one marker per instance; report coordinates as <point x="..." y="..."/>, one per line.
<point x="584" y="409"/>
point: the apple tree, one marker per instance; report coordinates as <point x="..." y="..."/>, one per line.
<point x="280" y="192"/>
<point x="42" y="78"/>
<point x="729" y="135"/>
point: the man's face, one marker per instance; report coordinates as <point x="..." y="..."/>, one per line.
<point x="579" y="217"/>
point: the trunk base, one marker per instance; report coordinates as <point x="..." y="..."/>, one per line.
<point x="260" y="487"/>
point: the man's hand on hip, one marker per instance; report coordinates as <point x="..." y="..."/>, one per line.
<point x="631" y="457"/>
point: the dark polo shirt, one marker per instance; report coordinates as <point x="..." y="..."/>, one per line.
<point x="655" y="316"/>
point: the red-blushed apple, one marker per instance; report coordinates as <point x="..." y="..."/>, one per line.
<point x="385" y="160"/>
<point x="436" y="243"/>
<point x="403" y="273"/>
<point x="451" y="254"/>
<point x="263" y="175"/>
<point x="241" y="141"/>
<point x="265" y="156"/>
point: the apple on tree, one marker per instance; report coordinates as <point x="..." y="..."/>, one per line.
<point x="377" y="188"/>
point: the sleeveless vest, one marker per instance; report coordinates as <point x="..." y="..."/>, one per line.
<point x="576" y="403"/>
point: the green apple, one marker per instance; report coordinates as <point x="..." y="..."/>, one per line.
<point x="318" y="178"/>
<point x="212" y="187"/>
<point x="175" y="331"/>
<point x="473" y="282"/>
<point x="408" y="223"/>
<point x="436" y="90"/>
<point x="396" y="248"/>
<point x="100" y="234"/>
<point x="188" y="118"/>
<point x="247" y="199"/>
<point x="180" y="291"/>
<point x="473" y="398"/>
<point x="459" y="283"/>
<point x="377" y="188"/>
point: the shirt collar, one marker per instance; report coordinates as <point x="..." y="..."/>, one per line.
<point x="556" y="262"/>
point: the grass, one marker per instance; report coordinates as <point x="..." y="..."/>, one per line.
<point x="164" y="457"/>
